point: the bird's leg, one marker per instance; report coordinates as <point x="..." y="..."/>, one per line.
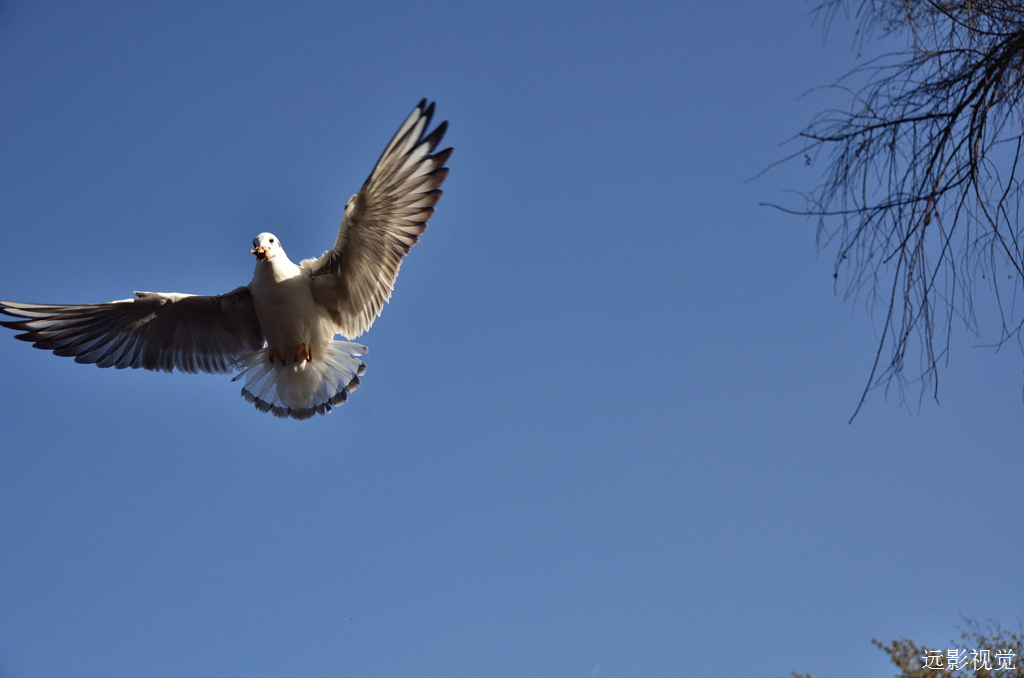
<point x="303" y="351"/>
<point x="274" y="354"/>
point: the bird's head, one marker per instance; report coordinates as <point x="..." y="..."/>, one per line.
<point x="266" y="246"/>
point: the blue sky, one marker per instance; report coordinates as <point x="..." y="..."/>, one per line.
<point x="603" y="431"/>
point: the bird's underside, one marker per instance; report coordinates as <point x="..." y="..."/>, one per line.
<point x="278" y="331"/>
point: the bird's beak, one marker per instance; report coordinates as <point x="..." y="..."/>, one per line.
<point x="260" y="252"/>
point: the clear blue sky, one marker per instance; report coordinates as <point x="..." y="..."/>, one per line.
<point x="603" y="431"/>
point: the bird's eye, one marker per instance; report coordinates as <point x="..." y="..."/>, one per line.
<point x="271" y="240"/>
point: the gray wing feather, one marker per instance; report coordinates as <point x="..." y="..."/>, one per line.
<point x="164" y="332"/>
<point x="353" y="279"/>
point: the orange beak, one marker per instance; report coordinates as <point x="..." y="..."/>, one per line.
<point x="260" y="252"/>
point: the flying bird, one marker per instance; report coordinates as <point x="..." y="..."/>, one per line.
<point x="278" y="331"/>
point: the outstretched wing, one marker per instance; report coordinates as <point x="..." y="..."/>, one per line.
<point x="153" y="331"/>
<point x="353" y="279"/>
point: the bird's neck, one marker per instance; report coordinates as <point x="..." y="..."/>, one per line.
<point x="276" y="269"/>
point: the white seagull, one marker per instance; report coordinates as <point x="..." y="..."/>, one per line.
<point x="279" y="329"/>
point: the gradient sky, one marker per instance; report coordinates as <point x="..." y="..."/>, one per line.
<point x="603" y="431"/>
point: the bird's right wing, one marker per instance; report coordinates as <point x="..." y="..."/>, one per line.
<point x="154" y="331"/>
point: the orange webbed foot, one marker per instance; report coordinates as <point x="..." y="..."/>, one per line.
<point x="303" y="352"/>
<point x="274" y="354"/>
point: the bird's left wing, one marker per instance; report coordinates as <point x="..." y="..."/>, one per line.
<point x="353" y="279"/>
<point x="154" y="331"/>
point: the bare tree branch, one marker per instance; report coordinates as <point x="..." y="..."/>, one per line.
<point x="922" y="194"/>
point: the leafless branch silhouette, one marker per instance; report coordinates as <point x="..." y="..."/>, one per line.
<point x="922" y="192"/>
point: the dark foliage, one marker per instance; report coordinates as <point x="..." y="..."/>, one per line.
<point x="987" y="651"/>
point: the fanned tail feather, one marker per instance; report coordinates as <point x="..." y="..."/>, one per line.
<point x="303" y="388"/>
